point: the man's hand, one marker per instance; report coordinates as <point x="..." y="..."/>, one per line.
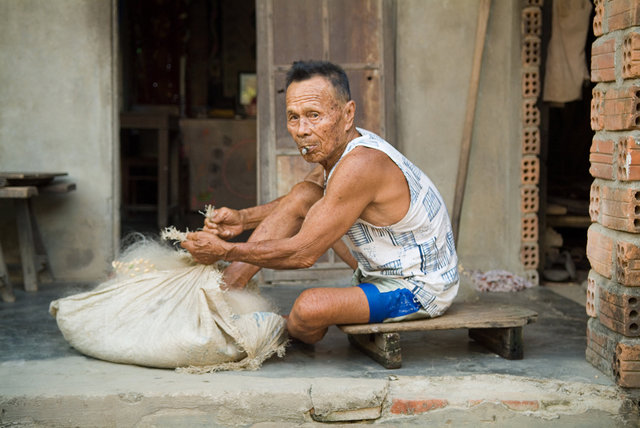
<point x="225" y="222"/>
<point x="205" y="247"/>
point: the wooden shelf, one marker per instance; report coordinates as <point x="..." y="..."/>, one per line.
<point x="575" y="221"/>
<point x="166" y="164"/>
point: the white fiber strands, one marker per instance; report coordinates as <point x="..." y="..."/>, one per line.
<point x="160" y="309"/>
<point x="172" y="234"/>
<point x="143" y="254"/>
<point x="498" y="280"/>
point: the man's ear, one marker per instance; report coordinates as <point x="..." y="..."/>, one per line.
<point x="349" y="112"/>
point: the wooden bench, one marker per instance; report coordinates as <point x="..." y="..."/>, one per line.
<point x="497" y="327"/>
<point x="33" y="255"/>
<point x="6" y="289"/>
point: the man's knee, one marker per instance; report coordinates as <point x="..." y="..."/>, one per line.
<point x="318" y="308"/>
<point x="308" y="310"/>
<point x="302" y="196"/>
<point x="307" y="320"/>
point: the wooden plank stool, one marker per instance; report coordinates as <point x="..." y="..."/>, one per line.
<point x="497" y="327"/>
<point x="6" y="289"/>
<point x="33" y="255"/>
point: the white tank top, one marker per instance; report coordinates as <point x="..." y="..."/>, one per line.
<point x="419" y="249"/>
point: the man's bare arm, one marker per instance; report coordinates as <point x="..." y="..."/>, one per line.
<point x="354" y="185"/>
<point x="228" y="223"/>
<point x="345" y="255"/>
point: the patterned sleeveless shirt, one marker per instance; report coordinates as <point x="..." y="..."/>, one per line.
<point x="418" y="250"/>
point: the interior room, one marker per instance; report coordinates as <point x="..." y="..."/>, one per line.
<point x="565" y="181"/>
<point x="187" y="76"/>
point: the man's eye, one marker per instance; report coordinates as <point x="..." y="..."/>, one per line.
<point x="314" y="115"/>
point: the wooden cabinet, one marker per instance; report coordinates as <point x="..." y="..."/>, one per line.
<point x="221" y="156"/>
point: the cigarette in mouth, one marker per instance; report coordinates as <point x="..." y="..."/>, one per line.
<point x="304" y="151"/>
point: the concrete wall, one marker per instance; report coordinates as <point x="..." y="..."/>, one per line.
<point x="435" y="46"/>
<point x="59" y="104"/>
<point x="57" y="114"/>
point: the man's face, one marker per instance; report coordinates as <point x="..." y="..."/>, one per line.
<point x="316" y="119"/>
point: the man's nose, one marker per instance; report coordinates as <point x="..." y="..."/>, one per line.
<point x="303" y="127"/>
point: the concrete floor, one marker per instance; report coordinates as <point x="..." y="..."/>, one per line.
<point x="330" y="382"/>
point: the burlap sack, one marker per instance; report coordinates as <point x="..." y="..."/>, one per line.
<point x="176" y="317"/>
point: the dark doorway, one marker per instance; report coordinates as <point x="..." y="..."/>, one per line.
<point x="181" y="64"/>
<point x="565" y="179"/>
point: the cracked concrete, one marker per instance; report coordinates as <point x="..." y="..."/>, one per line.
<point x="361" y="400"/>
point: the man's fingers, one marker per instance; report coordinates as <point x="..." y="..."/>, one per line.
<point x="194" y="238"/>
<point x="220" y="231"/>
<point x="224" y="234"/>
<point x="218" y="216"/>
<point x="212" y="226"/>
<point x="223" y="216"/>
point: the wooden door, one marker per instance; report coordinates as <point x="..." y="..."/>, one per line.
<point x="356" y="34"/>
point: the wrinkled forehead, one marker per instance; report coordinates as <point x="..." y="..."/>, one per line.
<point x="317" y="89"/>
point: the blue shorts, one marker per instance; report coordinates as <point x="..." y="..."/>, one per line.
<point x="389" y="299"/>
<point x="389" y="304"/>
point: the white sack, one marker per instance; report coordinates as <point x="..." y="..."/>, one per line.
<point x="171" y="318"/>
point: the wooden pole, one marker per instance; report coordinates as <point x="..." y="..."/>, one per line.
<point x="463" y="163"/>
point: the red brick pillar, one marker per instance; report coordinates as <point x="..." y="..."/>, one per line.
<point x="613" y="245"/>
<point x="531" y="31"/>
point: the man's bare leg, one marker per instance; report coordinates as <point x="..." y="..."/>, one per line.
<point x="318" y="308"/>
<point x="283" y="222"/>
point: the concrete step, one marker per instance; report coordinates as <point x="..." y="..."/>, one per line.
<point x="90" y="393"/>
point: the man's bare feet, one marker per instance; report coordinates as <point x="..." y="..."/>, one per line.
<point x="237" y="275"/>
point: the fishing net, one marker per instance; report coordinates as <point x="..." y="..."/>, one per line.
<point x="496" y="280"/>
<point x="160" y="309"/>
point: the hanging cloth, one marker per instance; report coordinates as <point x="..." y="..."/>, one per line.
<point x="566" y="66"/>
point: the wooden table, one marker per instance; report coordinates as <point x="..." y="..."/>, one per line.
<point x="22" y="187"/>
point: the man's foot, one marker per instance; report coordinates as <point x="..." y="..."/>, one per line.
<point x="299" y="345"/>
<point x="237" y="275"/>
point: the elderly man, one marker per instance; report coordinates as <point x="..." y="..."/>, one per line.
<point x="395" y="221"/>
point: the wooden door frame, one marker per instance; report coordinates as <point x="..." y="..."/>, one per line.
<point x="266" y="126"/>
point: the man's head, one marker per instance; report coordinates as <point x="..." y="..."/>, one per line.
<point x="320" y="112"/>
<point x="303" y="70"/>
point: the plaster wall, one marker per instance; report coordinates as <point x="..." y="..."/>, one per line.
<point x="434" y="53"/>
<point x="57" y="114"/>
<point x="57" y="65"/>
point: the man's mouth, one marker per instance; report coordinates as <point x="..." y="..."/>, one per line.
<point x="306" y="149"/>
